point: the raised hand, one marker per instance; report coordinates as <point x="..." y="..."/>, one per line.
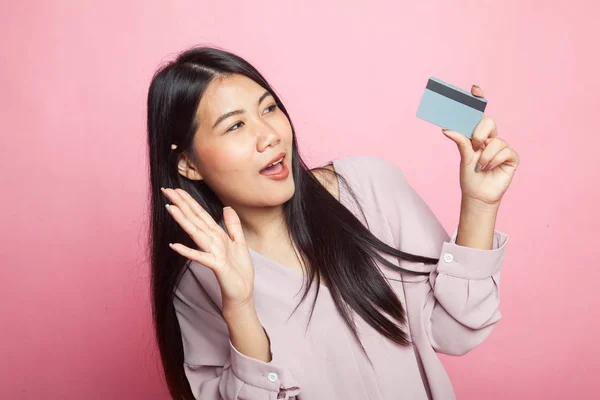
<point x="225" y="253"/>
<point x="488" y="163"/>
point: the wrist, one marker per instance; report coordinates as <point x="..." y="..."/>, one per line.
<point x="477" y="206"/>
<point x="245" y="312"/>
<point x="476" y="224"/>
<point x="247" y="334"/>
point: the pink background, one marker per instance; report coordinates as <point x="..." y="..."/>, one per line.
<point x="74" y="306"/>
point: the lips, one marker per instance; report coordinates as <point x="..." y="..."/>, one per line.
<point x="277" y="158"/>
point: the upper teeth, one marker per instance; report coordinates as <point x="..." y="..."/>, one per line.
<point x="281" y="159"/>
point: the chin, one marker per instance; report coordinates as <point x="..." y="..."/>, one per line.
<point x="280" y="196"/>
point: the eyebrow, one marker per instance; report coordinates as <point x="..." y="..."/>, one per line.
<point x="236" y="112"/>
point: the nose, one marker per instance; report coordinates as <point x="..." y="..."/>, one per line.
<point x="267" y="137"/>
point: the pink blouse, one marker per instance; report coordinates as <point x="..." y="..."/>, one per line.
<point x="451" y="310"/>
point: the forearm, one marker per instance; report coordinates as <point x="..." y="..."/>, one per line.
<point x="476" y="225"/>
<point x="247" y="333"/>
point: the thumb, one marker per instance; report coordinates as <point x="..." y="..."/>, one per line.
<point x="233" y="224"/>
<point x="464" y="143"/>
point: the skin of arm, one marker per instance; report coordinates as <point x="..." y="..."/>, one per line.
<point x="476" y="224"/>
<point x="247" y="333"/>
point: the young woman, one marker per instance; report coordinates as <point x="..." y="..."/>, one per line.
<point x="250" y="225"/>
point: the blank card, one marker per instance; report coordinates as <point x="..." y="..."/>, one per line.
<point x="450" y="107"/>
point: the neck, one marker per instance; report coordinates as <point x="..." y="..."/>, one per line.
<point x="264" y="228"/>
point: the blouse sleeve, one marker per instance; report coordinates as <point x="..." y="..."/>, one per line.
<point x="215" y="369"/>
<point x="459" y="300"/>
<point x="465" y="286"/>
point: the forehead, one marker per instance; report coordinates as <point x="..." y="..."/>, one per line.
<point x="228" y="93"/>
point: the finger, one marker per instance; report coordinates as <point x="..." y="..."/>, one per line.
<point x="463" y="143"/>
<point x="233" y="225"/>
<point x="486" y="128"/>
<point x="461" y="140"/>
<point x="201" y="212"/>
<point x="485" y="143"/>
<point x="500" y="158"/>
<point x="506" y="157"/>
<point x="184" y="205"/>
<point x="202" y="239"/>
<point x="476" y="91"/>
<point x="201" y="257"/>
<point x="491" y="150"/>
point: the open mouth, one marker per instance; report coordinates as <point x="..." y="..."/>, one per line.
<point x="274" y="168"/>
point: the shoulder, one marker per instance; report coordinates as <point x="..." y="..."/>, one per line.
<point x="327" y="178"/>
<point x="371" y="171"/>
<point x="370" y="177"/>
<point x="379" y="184"/>
<point x="391" y="201"/>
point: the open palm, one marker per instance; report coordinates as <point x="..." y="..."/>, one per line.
<point x="225" y="253"/>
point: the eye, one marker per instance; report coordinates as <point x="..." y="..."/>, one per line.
<point x="234" y="126"/>
<point x="272" y="106"/>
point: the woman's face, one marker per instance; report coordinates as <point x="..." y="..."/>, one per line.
<point x="240" y="131"/>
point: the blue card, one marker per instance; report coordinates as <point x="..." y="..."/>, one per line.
<point x="450" y="107"/>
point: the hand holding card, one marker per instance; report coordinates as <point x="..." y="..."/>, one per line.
<point x="487" y="162"/>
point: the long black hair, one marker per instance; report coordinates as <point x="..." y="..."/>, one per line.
<point x="333" y="243"/>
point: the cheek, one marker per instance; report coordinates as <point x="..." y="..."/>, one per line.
<point x="222" y="159"/>
<point x="284" y="128"/>
<point x="231" y="158"/>
<point x="227" y="173"/>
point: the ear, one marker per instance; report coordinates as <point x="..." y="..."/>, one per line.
<point x="187" y="169"/>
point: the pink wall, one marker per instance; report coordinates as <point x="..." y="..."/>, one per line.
<point x="74" y="307"/>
